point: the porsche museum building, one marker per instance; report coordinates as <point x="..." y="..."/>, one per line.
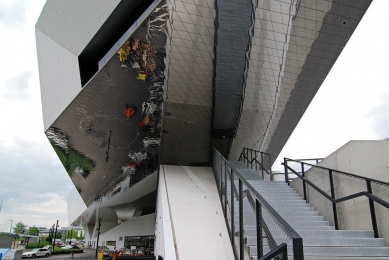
<point x="137" y="94"/>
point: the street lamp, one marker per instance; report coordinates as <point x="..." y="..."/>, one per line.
<point x="11" y="226"/>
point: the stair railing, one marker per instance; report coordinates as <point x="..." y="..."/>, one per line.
<point x="251" y="158"/>
<point x="281" y="232"/>
<point x="343" y="188"/>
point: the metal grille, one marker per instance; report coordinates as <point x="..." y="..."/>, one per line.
<point x="251" y="222"/>
<point x="353" y="214"/>
<point x="321" y="179"/>
<point x="381" y="212"/>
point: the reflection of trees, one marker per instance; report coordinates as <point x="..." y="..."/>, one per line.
<point x="70" y="158"/>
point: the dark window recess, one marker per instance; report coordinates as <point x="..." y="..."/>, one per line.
<point x="222" y="133"/>
<point x="121" y="19"/>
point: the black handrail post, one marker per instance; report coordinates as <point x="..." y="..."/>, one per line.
<point x="220" y="179"/>
<point x="372" y="210"/>
<point x="251" y="158"/>
<point x="286" y="171"/>
<point x="333" y="203"/>
<point x="298" y="249"/>
<point x="258" y="215"/>
<point x="247" y="156"/>
<point x="241" y="239"/>
<point x="256" y="154"/>
<point x="262" y="166"/>
<point x="303" y="174"/>
<point x="232" y="211"/>
<point x="225" y="190"/>
<point x="271" y="174"/>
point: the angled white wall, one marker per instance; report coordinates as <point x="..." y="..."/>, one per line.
<point x="199" y="228"/>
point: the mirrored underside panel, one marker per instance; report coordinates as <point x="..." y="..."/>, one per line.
<point x="198" y="74"/>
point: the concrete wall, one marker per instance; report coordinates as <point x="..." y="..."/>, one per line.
<point x="364" y="158"/>
<point x="199" y="228"/>
<point x="164" y="241"/>
<point x="141" y="226"/>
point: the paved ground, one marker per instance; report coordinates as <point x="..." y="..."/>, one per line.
<point x="87" y="254"/>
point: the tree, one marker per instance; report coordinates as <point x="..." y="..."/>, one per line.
<point x="81" y="237"/>
<point x="59" y="235"/>
<point x="71" y="233"/>
<point x="20" y="228"/>
<point x="33" y="231"/>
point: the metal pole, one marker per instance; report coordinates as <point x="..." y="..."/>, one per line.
<point x="262" y="165"/>
<point x="55" y="236"/>
<point x="333" y="196"/>
<point x="258" y="215"/>
<point x="304" y="187"/>
<point x="98" y="236"/>
<point x="225" y="190"/>
<point x="232" y="211"/>
<point x="11" y="226"/>
<point x="372" y="210"/>
<point x="241" y="238"/>
<point x="286" y="171"/>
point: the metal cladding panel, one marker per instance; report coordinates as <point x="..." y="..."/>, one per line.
<point x="187" y="124"/>
<point x="59" y="77"/>
<point x="108" y="138"/>
<point x="72" y="24"/>
<point x="76" y="205"/>
<point x="295" y="46"/>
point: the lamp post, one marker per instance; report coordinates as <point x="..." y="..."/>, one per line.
<point x="98" y="236"/>
<point x="55" y="235"/>
<point x="11" y="226"/>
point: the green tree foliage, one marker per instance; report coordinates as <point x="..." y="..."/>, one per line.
<point x="33" y="231"/>
<point x="20" y="228"/>
<point x="59" y="235"/>
<point x="71" y="233"/>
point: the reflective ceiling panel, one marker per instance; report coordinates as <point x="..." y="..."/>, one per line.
<point x="294" y="46"/>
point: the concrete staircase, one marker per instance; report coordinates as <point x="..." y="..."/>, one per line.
<point x="321" y="241"/>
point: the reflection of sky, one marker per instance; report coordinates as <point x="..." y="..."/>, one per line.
<point x="34" y="175"/>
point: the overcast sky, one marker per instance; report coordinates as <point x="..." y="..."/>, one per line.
<point x="352" y="104"/>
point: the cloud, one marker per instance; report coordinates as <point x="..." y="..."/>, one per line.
<point x="13" y="13"/>
<point x="34" y="186"/>
<point x="380" y="117"/>
<point x="48" y="203"/>
<point x="17" y="87"/>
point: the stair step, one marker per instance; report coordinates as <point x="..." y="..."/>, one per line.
<point x="306" y="234"/>
<point x="345" y="258"/>
<point x="333" y="251"/>
<point x="321" y="241"/>
<point x="347" y="242"/>
<point x="308" y="223"/>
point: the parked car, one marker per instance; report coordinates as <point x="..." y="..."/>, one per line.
<point x="70" y="247"/>
<point x="49" y="247"/>
<point x="37" y="252"/>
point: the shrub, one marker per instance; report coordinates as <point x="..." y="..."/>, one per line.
<point x="36" y="245"/>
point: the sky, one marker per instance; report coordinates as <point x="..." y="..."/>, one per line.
<point x="352" y="104"/>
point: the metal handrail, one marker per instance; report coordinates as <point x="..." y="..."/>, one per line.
<point x="368" y="194"/>
<point x="283" y="248"/>
<point x="297" y="241"/>
<point x="255" y="159"/>
<point x="341" y="172"/>
<point x="349" y="197"/>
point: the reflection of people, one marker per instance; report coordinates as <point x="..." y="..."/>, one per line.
<point x="115" y="254"/>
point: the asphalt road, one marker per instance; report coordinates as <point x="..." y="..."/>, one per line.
<point x="87" y="254"/>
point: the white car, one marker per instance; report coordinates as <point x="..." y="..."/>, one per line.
<point x="37" y="252"/>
